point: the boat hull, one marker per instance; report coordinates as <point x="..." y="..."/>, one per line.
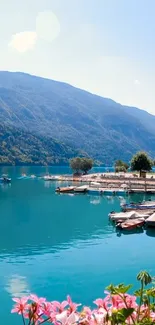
<point x="65" y="190"/>
<point x="5" y="181"/>
<point x="129" y="225"/>
<point x="129" y="207"/>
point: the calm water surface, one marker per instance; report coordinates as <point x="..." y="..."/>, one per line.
<point x="53" y="245"/>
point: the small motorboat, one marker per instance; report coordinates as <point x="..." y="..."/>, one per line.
<point x="33" y="176"/>
<point x="150" y="222"/>
<point x="24" y="176"/>
<point x="131" y="224"/>
<point x="81" y="189"/>
<point x="50" y="178"/>
<point x="5" y="180"/>
<point x="68" y="189"/>
<point x="138" y="206"/>
<point x="134" y="214"/>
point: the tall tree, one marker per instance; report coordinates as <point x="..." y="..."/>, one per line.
<point x="81" y="164"/>
<point x="86" y="164"/>
<point x="75" y="164"/>
<point x="140" y="161"/>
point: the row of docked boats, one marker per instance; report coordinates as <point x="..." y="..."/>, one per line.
<point x="135" y="215"/>
<point x="24" y="176"/>
<point x="91" y="190"/>
<point x="72" y="189"/>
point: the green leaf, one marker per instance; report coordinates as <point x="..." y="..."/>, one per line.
<point x="137" y="293"/>
<point x="124" y="313"/>
<point x="144" y="277"/>
<point x="119" y="289"/>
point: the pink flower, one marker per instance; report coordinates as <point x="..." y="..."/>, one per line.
<point x="37" y="306"/>
<point x="87" y="311"/>
<point x="73" y="306"/>
<point x="100" y="316"/>
<point x="152" y="315"/>
<point x="20" y="306"/>
<point x="47" y="309"/>
<point x="38" y="301"/>
<point x="131" y="301"/>
<point x="59" y="307"/>
<point x="64" y="319"/>
<point x="85" y="315"/>
<point x="102" y="303"/>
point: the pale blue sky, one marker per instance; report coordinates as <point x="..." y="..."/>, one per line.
<point x="104" y="46"/>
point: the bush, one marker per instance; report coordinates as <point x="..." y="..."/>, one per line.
<point x="121" y="166"/>
<point x="120" y="169"/>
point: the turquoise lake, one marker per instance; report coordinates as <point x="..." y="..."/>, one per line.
<point x="54" y="245"/>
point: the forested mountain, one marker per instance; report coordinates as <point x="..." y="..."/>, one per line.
<point x="46" y="109"/>
<point x="19" y="147"/>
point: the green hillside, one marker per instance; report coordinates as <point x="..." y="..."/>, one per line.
<point x="104" y="129"/>
<point x="18" y="147"/>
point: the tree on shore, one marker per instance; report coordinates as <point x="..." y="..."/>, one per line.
<point x="140" y="161"/>
<point x="121" y="166"/>
<point x="79" y="165"/>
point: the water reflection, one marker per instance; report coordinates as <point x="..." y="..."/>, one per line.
<point x="53" y="244"/>
<point x="129" y="232"/>
<point x="5" y="186"/>
<point x="17" y="286"/>
<point x="35" y="219"/>
<point x="150" y="232"/>
<point x="95" y="200"/>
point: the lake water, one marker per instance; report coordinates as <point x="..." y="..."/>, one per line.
<point x="54" y="245"/>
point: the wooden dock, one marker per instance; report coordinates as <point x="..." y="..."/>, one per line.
<point x="133" y="184"/>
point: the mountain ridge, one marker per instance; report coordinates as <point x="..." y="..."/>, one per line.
<point x="102" y="128"/>
<point x="80" y="89"/>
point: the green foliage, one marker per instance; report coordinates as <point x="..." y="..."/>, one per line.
<point x="120" y="316"/>
<point x="144" y="277"/>
<point x="75" y="164"/>
<point x="141" y="161"/>
<point x="18" y="147"/>
<point x="121" y="166"/>
<point x="120" y="169"/>
<point x="86" y="164"/>
<point x="120" y="288"/>
<point x="146" y="297"/>
<point x="81" y="164"/>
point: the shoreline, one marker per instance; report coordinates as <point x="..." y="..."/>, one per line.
<point x="112" y="181"/>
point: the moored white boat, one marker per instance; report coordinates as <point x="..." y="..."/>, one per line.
<point x="67" y="189"/>
<point x="150" y="222"/>
<point x="81" y="189"/>
<point x="50" y="178"/>
<point x="138" y="206"/>
<point x="127" y="215"/>
<point x="5" y="180"/>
